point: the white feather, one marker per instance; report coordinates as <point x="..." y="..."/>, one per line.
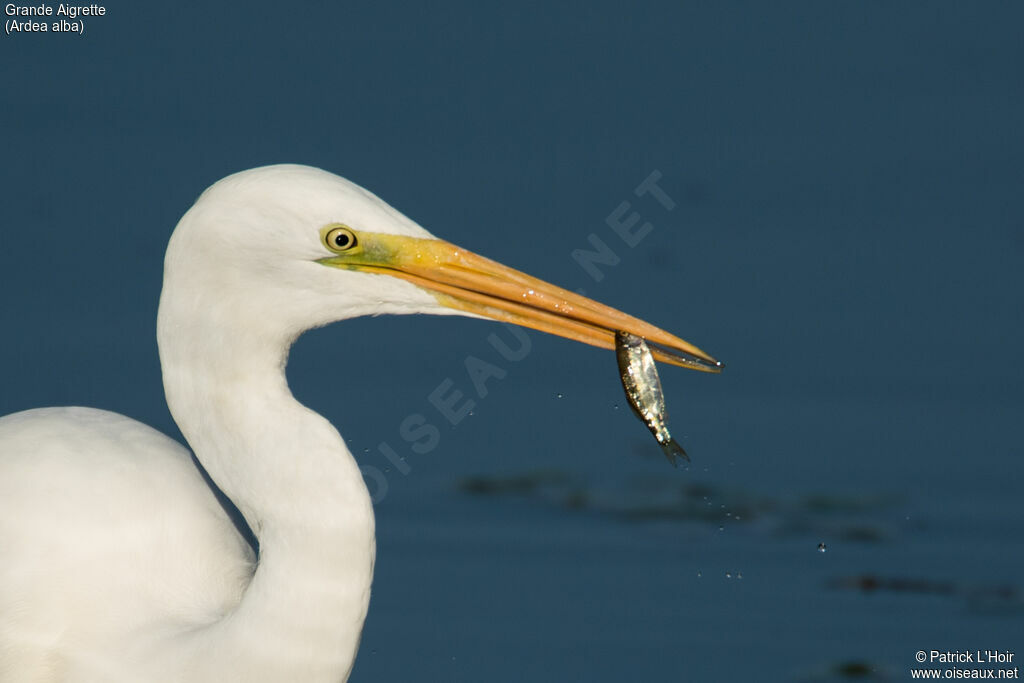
<point x="117" y="563"/>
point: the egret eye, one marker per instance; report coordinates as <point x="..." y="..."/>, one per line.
<point x="340" y="238"/>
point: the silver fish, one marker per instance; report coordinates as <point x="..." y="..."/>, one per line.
<point x="643" y="389"/>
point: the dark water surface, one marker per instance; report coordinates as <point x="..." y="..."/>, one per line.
<point x="846" y="231"/>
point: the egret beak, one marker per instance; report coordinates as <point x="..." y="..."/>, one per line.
<point x="467" y="282"/>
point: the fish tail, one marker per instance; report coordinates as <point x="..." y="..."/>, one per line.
<point x="673" y="450"/>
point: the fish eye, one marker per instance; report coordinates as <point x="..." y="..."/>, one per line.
<point x="339" y="238"/>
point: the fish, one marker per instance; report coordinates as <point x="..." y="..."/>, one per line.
<point x="640" y="381"/>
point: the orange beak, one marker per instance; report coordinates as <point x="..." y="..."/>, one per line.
<point x="467" y="282"/>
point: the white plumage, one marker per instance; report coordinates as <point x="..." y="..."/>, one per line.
<point x="117" y="563"/>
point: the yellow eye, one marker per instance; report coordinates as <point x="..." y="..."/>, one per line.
<point x="340" y="238"/>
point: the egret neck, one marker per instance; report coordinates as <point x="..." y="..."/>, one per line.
<point x="290" y="474"/>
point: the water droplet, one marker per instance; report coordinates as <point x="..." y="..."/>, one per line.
<point x="700" y="574"/>
<point x="721" y="528"/>
<point x="558" y="396"/>
<point x="739" y="575"/>
<point x="615" y="406"/>
<point x="822" y="548"/>
<point x="728" y="575"/>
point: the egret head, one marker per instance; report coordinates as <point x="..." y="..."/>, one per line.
<point x="286" y="248"/>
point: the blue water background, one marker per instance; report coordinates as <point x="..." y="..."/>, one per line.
<point x="847" y="235"/>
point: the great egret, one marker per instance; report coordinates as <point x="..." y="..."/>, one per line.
<point x="117" y="563"/>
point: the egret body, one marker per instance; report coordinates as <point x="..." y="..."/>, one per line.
<point x="118" y="564"/>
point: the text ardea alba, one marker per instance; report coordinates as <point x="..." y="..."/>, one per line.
<point x="117" y="564"/>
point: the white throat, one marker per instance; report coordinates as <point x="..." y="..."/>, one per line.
<point x="290" y="474"/>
